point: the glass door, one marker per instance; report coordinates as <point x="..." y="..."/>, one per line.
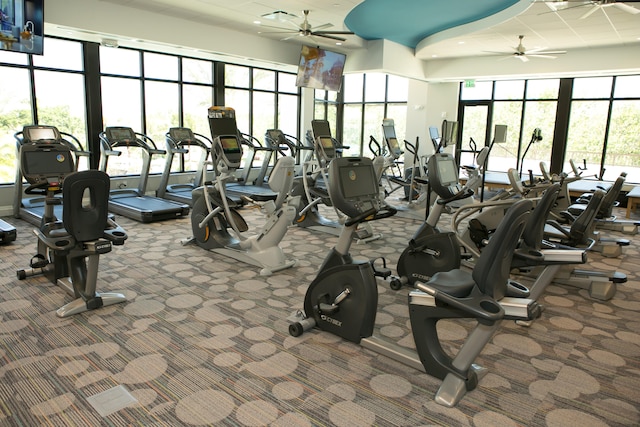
<point x="474" y="120"/>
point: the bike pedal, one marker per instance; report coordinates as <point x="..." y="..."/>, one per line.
<point x="383" y="272"/>
<point x="38" y="261"/>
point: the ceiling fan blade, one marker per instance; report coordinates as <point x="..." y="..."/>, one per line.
<point x="627" y="8"/>
<point x="278" y="32"/>
<point x="538" y="49"/>
<point x="319" y="27"/>
<point x="543" y="56"/>
<point x="333" y="32"/>
<point x="327" y="36"/>
<point x="590" y="12"/>
<point x="277" y="28"/>
<point x="549" y="52"/>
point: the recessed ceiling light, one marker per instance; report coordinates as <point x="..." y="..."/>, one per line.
<point x="434" y="56"/>
<point x="339" y="43"/>
<point x="460" y="42"/>
<point x="257" y="22"/>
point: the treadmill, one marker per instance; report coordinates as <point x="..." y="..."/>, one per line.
<point x="222" y="122"/>
<point x="134" y="203"/>
<point x="31" y="209"/>
<point x="180" y="140"/>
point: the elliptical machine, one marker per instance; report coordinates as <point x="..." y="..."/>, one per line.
<point x="218" y="226"/>
<point x="68" y="251"/>
<point x="343" y="297"/>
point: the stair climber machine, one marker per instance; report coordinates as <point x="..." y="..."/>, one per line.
<point x="135" y="203"/>
<point x="312" y="187"/>
<point x="343" y="297"/>
<point x="31" y="208"/>
<point x="219" y="227"/>
<point x="68" y="250"/>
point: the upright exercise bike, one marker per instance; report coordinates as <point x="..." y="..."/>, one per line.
<point x="343" y="297"/>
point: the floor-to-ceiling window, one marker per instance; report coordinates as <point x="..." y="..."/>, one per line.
<point x="366" y="99"/>
<point x="47" y="89"/>
<point x="599" y="129"/>
<point x="147" y="91"/>
<point x="523" y="106"/>
<point x="604" y="126"/>
<point x="262" y="99"/>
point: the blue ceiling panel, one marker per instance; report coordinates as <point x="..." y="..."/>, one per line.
<point x="407" y="22"/>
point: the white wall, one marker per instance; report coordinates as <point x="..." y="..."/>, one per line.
<point x="429" y="104"/>
<point x="90" y="19"/>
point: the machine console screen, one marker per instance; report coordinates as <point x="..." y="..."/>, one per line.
<point x="230" y="144"/>
<point x="447" y="171"/>
<point x="40" y="133"/>
<point x="118" y="134"/>
<point x="326" y="142"/>
<point x="47" y="163"/>
<point x="181" y="134"/>
<point x="358" y="181"/>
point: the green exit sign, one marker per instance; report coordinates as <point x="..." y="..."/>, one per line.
<point x="469" y="83"/>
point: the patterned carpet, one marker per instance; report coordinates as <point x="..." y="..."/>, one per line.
<point x="203" y="340"/>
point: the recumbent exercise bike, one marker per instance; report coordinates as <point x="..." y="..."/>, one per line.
<point x="68" y="251"/>
<point x="343" y="297"/>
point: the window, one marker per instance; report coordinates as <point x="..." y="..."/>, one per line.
<point x="157" y="66"/>
<point x="197" y="71"/>
<point x="122" y="62"/>
<point x="366" y="100"/>
<point x="602" y="128"/>
<point x="59" y="96"/>
<point x="15" y="110"/>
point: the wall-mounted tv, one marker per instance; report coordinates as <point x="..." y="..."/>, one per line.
<point x="320" y="69"/>
<point x="22" y="25"/>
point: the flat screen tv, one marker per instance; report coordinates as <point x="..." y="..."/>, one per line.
<point x="320" y="69"/>
<point x="22" y="26"/>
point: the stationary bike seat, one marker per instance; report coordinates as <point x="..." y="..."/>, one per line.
<point x="456" y="283"/>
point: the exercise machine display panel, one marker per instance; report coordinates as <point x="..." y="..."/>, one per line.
<point x="120" y="134"/>
<point x="357" y="187"/>
<point x="443" y="175"/>
<point x="46" y="163"/>
<point x="40" y="134"/>
<point x="182" y="134"/>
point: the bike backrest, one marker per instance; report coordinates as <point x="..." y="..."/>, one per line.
<point x="85" y="218"/>
<point x="533" y="233"/>
<point x="491" y="272"/>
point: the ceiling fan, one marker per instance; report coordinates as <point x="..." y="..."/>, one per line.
<point x="521" y="53"/>
<point x="594" y="5"/>
<point x="307" y="30"/>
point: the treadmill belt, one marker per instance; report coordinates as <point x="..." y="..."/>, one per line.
<point x="254" y="192"/>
